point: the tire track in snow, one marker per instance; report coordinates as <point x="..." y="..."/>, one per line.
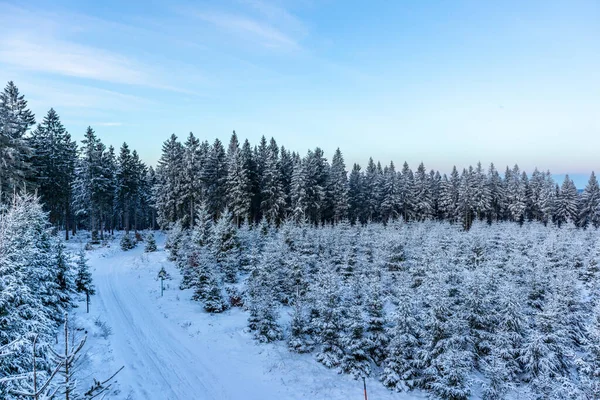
<point x="159" y="363"/>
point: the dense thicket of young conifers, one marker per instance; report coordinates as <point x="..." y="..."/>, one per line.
<point x="500" y="310"/>
<point x="37" y="282"/>
<point x="89" y="186"/>
<point x="270" y="182"/>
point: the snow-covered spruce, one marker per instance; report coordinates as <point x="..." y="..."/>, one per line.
<point x="127" y="242"/>
<point x="496" y="310"/>
<point x="150" y="243"/>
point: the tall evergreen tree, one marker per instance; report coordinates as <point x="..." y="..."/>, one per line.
<point x="272" y="204"/>
<point x="338" y="187"/>
<point x="167" y="191"/>
<point x="565" y="209"/>
<point x="356" y="202"/>
<point x="54" y="158"/>
<point x="214" y="178"/>
<point x="239" y="184"/>
<point x="589" y="204"/>
<point x="15" y="121"/>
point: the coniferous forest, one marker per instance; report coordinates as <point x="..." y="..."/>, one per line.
<point x="473" y="284"/>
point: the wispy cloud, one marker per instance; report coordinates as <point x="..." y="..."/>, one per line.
<point x="70" y="59"/>
<point x="34" y="40"/>
<point x="278" y="15"/>
<point x="249" y="28"/>
<point x="258" y="22"/>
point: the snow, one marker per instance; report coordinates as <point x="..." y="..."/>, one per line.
<point x="172" y="349"/>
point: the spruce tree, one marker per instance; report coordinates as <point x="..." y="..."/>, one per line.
<point x="338" y="187"/>
<point x="15" y="152"/>
<point x="272" y="204"/>
<point x="214" y="178"/>
<point x="83" y="277"/>
<point x="150" y="243"/>
<point x="589" y="204"/>
<point x="239" y="185"/>
<point x="226" y="247"/>
<point x="54" y="157"/>
<point x="565" y="209"/>
<point x="167" y="191"/>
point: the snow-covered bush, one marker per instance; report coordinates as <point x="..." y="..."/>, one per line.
<point x="127" y="243"/>
<point x="150" y="243"/>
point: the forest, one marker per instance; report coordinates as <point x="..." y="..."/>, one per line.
<point x="472" y="284"/>
<point x="94" y="187"/>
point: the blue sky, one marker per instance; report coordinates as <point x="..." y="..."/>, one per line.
<point x="443" y="82"/>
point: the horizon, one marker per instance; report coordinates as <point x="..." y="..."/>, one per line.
<point x="403" y="82"/>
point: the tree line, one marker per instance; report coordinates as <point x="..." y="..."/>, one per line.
<point x="87" y="186"/>
<point x="91" y="186"/>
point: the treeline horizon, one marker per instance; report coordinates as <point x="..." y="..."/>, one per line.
<point x="95" y="187"/>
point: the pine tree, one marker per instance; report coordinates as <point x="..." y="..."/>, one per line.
<point x="262" y="290"/>
<point x="447" y="362"/>
<point x="481" y="193"/>
<point x="589" y="204"/>
<point x="448" y="202"/>
<point x="371" y="192"/>
<point x="589" y="366"/>
<point x="15" y="121"/>
<point x="355" y="360"/>
<point x="127" y="243"/>
<point x="390" y="194"/>
<point x="375" y="334"/>
<point x="167" y="191"/>
<point x="150" y="243"/>
<point x="54" y="157"/>
<point x="226" y="247"/>
<point x="29" y="292"/>
<point x="272" y="204"/>
<point x="300" y="340"/>
<point x="286" y="170"/>
<point x="191" y="188"/>
<point x="239" y="185"/>
<point x="356" y="202"/>
<point x="299" y="198"/>
<point x="64" y="276"/>
<point x="565" y="209"/>
<point x="214" y="178"/>
<point x="423" y="201"/>
<point x="401" y="367"/>
<point x="338" y="187"/>
<point x="315" y="181"/>
<point x="465" y="210"/>
<point x="407" y="202"/>
<point x="211" y="289"/>
<point x="497" y="194"/>
<point x="329" y="320"/>
<point x="83" y="277"/>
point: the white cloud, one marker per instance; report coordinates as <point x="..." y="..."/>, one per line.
<point x="244" y="27"/>
<point x="42" y="42"/>
<point x="278" y="16"/>
<point x="69" y="59"/>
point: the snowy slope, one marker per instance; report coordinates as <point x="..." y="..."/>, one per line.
<point x="172" y="349"/>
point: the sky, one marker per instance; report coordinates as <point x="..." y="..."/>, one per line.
<point x="440" y="82"/>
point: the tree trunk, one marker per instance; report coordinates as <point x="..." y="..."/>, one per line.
<point x="67" y="221"/>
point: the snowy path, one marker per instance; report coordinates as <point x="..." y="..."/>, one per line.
<point x="171" y="349"/>
<point x="158" y="360"/>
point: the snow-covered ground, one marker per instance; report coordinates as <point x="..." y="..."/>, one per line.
<point x="172" y="349"/>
